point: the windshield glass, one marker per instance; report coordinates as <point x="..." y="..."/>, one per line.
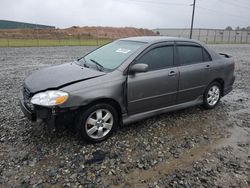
<point x="112" y="55"/>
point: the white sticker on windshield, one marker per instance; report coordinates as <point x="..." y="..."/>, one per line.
<point x="123" y="50"/>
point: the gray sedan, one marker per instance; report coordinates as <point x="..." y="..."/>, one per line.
<point x="126" y="81"/>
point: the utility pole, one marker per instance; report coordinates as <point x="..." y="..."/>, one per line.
<point x="192" y="22"/>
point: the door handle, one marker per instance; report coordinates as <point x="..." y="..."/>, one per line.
<point x="172" y="73"/>
<point x="207" y="67"/>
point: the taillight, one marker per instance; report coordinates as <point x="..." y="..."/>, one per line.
<point x="232" y="64"/>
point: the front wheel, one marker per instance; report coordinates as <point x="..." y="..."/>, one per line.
<point x="96" y="123"/>
<point x="212" y="95"/>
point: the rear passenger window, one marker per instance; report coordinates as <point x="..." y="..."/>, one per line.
<point x="190" y="54"/>
<point x="158" y="58"/>
<point x="206" y="56"/>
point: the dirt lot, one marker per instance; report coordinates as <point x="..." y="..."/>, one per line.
<point x="188" y="148"/>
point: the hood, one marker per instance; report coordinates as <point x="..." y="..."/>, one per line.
<point x="59" y="76"/>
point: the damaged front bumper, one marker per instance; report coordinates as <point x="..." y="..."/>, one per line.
<point x="46" y="114"/>
<point x="33" y="113"/>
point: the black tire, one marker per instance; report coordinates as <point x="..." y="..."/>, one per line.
<point x="84" y="115"/>
<point x="206" y="103"/>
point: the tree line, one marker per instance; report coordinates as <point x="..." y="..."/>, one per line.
<point x="229" y="28"/>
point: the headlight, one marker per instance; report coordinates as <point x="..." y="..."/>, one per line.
<point x="49" y="98"/>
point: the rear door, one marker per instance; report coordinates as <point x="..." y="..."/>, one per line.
<point x="156" y="88"/>
<point x="195" y="66"/>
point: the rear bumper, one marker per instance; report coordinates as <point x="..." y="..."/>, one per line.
<point x="229" y="88"/>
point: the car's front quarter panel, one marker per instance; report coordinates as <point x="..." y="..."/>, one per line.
<point x="109" y="86"/>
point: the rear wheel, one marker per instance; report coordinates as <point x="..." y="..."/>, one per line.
<point x="212" y="95"/>
<point x="97" y="122"/>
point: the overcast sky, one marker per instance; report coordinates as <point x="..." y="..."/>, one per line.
<point x="136" y="13"/>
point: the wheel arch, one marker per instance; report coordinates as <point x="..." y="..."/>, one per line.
<point x="109" y="101"/>
<point x="221" y="82"/>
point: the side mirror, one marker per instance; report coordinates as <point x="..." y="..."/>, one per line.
<point x="136" y="68"/>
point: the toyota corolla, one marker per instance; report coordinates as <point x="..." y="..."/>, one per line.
<point x="126" y="81"/>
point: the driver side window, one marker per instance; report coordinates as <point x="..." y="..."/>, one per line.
<point x="158" y="58"/>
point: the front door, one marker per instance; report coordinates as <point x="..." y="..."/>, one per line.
<point x="156" y="88"/>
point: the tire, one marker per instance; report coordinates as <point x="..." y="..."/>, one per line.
<point x="212" y="95"/>
<point x="97" y="122"/>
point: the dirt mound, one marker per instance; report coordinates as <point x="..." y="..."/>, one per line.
<point x="109" y="32"/>
<point x="75" y="32"/>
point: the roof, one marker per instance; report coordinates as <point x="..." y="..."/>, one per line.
<point x="7" y="24"/>
<point x="154" y="39"/>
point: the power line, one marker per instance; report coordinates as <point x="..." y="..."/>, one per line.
<point x="216" y="11"/>
<point x="201" y="11"/>
<point x="234" y="4"/>
<point x="241" y="3"/>
<point x="182" y="4"/>
<point x="156" y="2"/>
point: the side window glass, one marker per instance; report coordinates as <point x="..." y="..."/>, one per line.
<point x="206" y="56"/>
<point x="158" y="58"/>
<point x="190" y="54"/>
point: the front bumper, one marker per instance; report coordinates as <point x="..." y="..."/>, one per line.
<point x="28" y="113"/>
<point x="37" y="112"/>
<point x="51" y="116"/>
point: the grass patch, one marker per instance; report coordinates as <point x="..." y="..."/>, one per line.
<point x="47" y="42"/>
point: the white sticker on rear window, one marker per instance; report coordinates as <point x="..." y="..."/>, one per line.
<point x="123" y="50"/>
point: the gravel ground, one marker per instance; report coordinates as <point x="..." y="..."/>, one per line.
<point x="188" y="148"/>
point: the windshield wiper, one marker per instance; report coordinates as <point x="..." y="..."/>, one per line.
<point x="98" y="65"/>
<point x="83" y="62"/>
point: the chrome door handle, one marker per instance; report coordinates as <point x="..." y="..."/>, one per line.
<point x="172" y="73"/>
<point x="207" y="67"/>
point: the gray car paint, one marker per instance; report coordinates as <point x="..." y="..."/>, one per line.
<point x="153" y="89"/>
<point x="145" y="94"/>
<point x="58" y="76"/>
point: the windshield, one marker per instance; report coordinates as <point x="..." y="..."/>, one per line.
<point x="112" y="55"/>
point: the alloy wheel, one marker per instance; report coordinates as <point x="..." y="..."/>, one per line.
<point x="213" y="95"/>
<point x="99" y="123"/>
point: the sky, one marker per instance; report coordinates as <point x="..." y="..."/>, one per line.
<point x="130" y="13"/>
